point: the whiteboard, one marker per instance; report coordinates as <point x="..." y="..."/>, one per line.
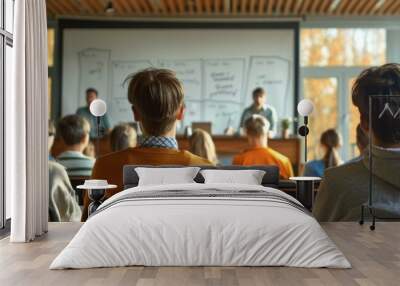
<point x="218" y="69"/>
<point x="93" y="71"/>
<point x="189" y="73"/>
<point x="271" y="73"/>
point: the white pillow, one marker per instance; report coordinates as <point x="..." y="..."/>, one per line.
<point x="166" y="176"/>
<point x="248" y="177"/>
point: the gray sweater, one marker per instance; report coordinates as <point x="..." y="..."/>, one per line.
<point x="345" y="188"/>
<point x="62" y="202"/>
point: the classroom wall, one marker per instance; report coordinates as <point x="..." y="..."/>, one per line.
<point x="218" y="68"/>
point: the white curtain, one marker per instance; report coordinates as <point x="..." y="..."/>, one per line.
<point x="27" y="122"/>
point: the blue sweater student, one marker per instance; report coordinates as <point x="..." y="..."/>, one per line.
<point x="331" y="142"/>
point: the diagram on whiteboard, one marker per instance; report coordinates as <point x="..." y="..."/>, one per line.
<point x="193" y="112"/>
<point x="120" y="71"/>
<point x="272" y="74"/>
<point x="93" y="72"/>
<point x="223" y="79"/>
<point x="119" y="106"/>
<point x="223" y="115"/>
<point x="189" y="73"/>
<point x="216" y="90"/>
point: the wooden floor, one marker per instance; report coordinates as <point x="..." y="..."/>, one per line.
<point x="375" y="257"/>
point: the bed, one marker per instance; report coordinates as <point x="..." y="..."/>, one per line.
<point x="198" y="224"/>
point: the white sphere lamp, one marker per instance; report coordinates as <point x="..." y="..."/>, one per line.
<point x="98" y="107"/>
<point x="305" y="107"/>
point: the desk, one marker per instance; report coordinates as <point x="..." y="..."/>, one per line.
<point x="231" y="145"/>
<point x="225" y="145"/>
<point x="374" y="256"/>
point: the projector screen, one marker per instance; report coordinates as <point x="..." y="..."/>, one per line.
<point x="218" y="68"/>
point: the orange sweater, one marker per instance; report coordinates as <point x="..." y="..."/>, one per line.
<point x="265" y="156"/>
<point x="110" y="166"/>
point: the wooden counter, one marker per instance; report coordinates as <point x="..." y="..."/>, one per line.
<point x="225" y="146"/>
<point x="231" y="145"/>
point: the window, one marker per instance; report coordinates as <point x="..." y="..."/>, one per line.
<point x="51" y="40"/>
<point x="354" y="116"/>
<point x="331" y="59"/>
<point x="6" y="61"/>
<point x="323" y="93"/>
<point x="343" y="47"/>
<point x="50" y="47"/>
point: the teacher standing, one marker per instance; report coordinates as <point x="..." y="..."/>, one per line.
<point x="92" y="94"/>
<point x="260" y="107"/>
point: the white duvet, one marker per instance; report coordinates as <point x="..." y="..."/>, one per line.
<point x="206" y="230"/>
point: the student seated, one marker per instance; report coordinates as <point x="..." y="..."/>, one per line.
<point x="74" y="131"/>
<point x="63" y="205"/>
<point x="84" y="111"/>
<point x="345" y="188"/>
<point x="330" y="142"/>
<point x="260" y="107"/>
<point x="122" y="136"/>
<point x="201" y="144"/>
<point x="256" y="128"/>
<point x="156" y="96"/>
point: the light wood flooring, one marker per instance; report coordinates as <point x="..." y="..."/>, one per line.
<point x="375" y="257"/>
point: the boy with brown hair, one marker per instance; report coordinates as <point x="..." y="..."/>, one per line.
<point x="156" y="96"/>
<point x="256" y="128"/>
<point x="345" y="188"/>
<point x="74" y="131"/>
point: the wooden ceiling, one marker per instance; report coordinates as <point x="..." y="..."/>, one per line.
<point x="222" y="8"/>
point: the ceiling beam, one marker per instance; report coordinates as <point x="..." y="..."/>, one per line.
<point x="171" y="7"/>
<point x="217" y="7"/>
<point x="341" y="7"/>
<point x="287" y="8"/>
<point x="261" y="7"/>
<point x="199" y="7"/>
<point x="181" y="7"/>
<point x="350" y="7"/>
<point x="126" y="7"/>
<point x="252" y="7"/>
<point x="207" y="6"/>
<point x="379" y="10"/>
<point x="99" y="7"/>
<point x="190" y="5"/>
<point x="234" y="7"/>
<point x="395" y="9"/>
<point x="72" y="6"/>
<point x="314" y="6"/>
<point x="63" y="7"/>
<point x="145" y="7"/>
<point x="154" y="9"/>
<point x="304" y="7"/>
<point x="227" y="6"/>
<point x="324" y="8"/>
<point x="135" y="5"/>
<point x="270" y="6"/>
<point x="243" y="7"/>
<point x="385" y="9"/>
<point x="357" y="8"/>
<point x="368" y="7"/>
<point x="297" y="6"/>
<point x="53" y="7"/>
